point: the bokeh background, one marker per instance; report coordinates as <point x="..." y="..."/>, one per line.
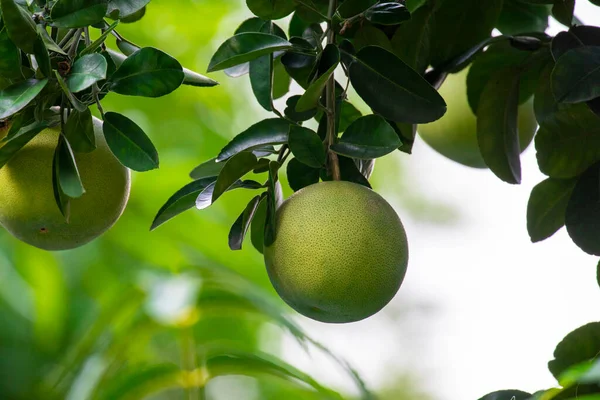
<point x="481" y="307"/>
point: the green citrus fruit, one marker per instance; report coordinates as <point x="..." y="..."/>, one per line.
<point x="455" y="134"/>
<point x="27" y="206"/>
<point x="340" y="252"/>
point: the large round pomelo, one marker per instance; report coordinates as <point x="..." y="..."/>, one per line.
<point x="340" y="253"/>
<point x="455" y="134"/>
<point x="27" y="206"/>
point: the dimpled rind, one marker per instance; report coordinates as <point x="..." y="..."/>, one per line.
<point x="340" y="253"/>
<point x="27" y="206"/>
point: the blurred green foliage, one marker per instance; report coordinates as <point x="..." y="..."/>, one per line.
<point x="125" y="315"/>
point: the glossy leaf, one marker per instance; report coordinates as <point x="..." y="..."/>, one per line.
<point x="266" y="132"/>
<point x="271" y="9"/>
<point x="79" y="131"/>
<point x="96" y="44"/>
<point x="497" y="130"/>
<point x="387" y="13"/>
<point x="129" y="143"/>
<point x="148" y="72"/>
<point x="235" y="168"/>
<point x="78" y="13"/>
<point x="581" y="345"/>
<point x="242" y="224"/>
<point x="42" y="58"/>
<point x="274" y="200"/>
<point x="182" y="200"/>
<point x="261" y="76"/>
<point x="547" y="207"/>
<point x="576" y="75"/>
<point x="15" y="97"/>
<point x="204" y="199"/>
<point x="583" y="211"/>
<point x="19" y="25"/>
<point x="208" y="169"/>
<point x="507" y="395"/>
<point x="291" y="113"/>
<point x="392" y="89"/>
<point x="16" y="143"/>
<point x="300" y="175"/>
<point x="369" y="35"/>
<point x="246" y="47"/>
<point x="124" y="8"/>
<point x="68" y="173"/>
<point x="330" y="59"/>
<point x="307" y="147"/>
<point x="367" y="138"/>
<point x="86" y="71"/>
<point x="257" y="230"/>
<point x="75" y="102"/>
<point x="10" y="58"/>
<point x="412" y="40"/>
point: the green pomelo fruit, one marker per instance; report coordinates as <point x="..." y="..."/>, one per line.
<point x="27" y="206"/>
<point x="455" y="134"/>
<point x="340" y="253"/>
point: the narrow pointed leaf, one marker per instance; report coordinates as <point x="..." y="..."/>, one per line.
<point x="208" y="169"/>
<point x="129" y="143"/>
<point x="367" y="138"/>
<point x="246" y="47"/>
<point x="307" y="146"/>
<point x="267" y="132"/>
<point x="392" y="89"/>
<point x="235" y="168"/>
<point x="15" y="97"/>
<point x="204" y="199"/>
<point x="86" y="71"/>
<point x="68" y="173"/>
<point x="148" y="72"/>
<point x="17" y="142"/>
<point x="274" y="200"/>
<point x="19" y="25"/>
<point x="261" y="80"/>
<point x="79" y="131"/>
<point x="78" y="13"/>
<point x="547" y="207"/>
<point x="257" y="230"/>
<point x="75" y="102"/>
<point x="330" y="59"/>
<point x="10" y="58"/>
<point x="42" y="57"/>
<point x="183" y="200"/>
<point x="98" y="42"/>
<point x="242" y="224"/>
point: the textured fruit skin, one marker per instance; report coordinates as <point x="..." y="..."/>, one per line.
<point x="340" y="254"/>
<point x="27" y="206"/>
<point x="455" y="134"/>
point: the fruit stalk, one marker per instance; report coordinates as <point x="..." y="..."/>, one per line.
<point x="334" y="164"/>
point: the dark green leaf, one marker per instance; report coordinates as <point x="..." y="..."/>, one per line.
<point x="98" y="42"/>
<point x="50" y="44"/>
<point x="564" y="42"/>
<point x="86" y="71"/>
<point x="124" y="8"/>
<point x="583" y="211"/>
<point x="351" y="8"/>
<point x="387" y="13"/>
<point x="68" y="173"/>
<point x="497" y="130"/>
<point x="307" y="147"/>
<point x="19" y="25"/>
<point x="581" y="345"/>
<point x="350" y="172"/>
<point x="274" y="200"/>
<point x="300" y="175"/>
<point x="235" y="168"/>
<point x="261" y="78"/>
<point x="16" y="143"/>
<point x="348" y="114"/>
<point x="78" y="13"/>
<point x="242" y="224"/>
<point x="208" y="169"/>
<point x="576" y="75"/>
<point x="507" y="395"/>
<point x="267" y="132"/>
<point x="42" y="57"/>
<point x="300" y="62"/>
<point x="547" y="206"/>
<point x="79" y="131"/>
<point x="519" y="16"/>
<point x="291" y="113"/>
<point x="563" y="11"/>
<point x="392" y="89"/>
<point x="588" y="35"/>
<point x="63" y="202"/>
<point x="204" y="199"/>
<point x="182" y="200"/>
<point x="368" y="35"/>
<point x="281" y="80"/>
<point x="15" y="97"/>
<point x="330" y="59"/>
<point x="75" y="102"/>
<point x="271" y="9"/>
<point x="129" y="143"/>
<point x="148" y="72"/>
<point x="10" y="58"/>
<point x="455" y="30"/>
<point x="246" y="47"/>
<point x="407" y="134"/>
<point x="412" y="40"/>
<point x="367" y="138"/>
<point x="257" y="231"/>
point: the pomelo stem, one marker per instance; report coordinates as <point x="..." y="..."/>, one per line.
<point x="334" y="164"/>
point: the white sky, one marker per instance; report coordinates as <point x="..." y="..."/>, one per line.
<point x="501" y="303"/>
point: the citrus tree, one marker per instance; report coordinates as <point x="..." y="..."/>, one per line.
<point x="335" y="251"/>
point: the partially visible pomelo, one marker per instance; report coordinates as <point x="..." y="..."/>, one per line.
<point x="455" y="134"/>
<point x="27" y="206"/>
<point x="340" y="253"/>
